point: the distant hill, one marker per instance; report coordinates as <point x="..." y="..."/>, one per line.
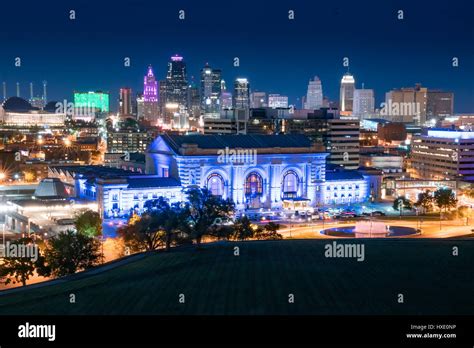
<point x="214" y="281"/>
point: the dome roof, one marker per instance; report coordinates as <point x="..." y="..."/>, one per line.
<point x="16" y="104"/>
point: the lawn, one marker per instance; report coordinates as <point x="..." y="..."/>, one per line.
<point x="214" y="281"/>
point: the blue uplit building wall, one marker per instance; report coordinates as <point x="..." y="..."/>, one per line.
<point x="269" y="172"/>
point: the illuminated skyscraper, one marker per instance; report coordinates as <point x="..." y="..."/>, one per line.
<point x="150" y="97"/>
<point x="347" y="93"/>
<point x="363" y="102"/>
<point x="125" y="101"/>
<point x="258" y="100"/>
<point x="139" y="103"/>
<point x="210" y="91"/>
<point x="176" y="81"/>
<point x="194" y="100"/>
<point x="277" y="101"/>
<point x="226" y="97"/>
<point x="98" y="100"/>
<point x="314" y="96"/>
<point x="241" y="96"/>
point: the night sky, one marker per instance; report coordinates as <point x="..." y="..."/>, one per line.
<point x="276" y="54"/>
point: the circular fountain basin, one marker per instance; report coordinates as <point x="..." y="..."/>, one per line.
<point x="350" y="231"/>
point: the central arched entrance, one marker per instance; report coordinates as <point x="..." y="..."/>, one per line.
<point x="253" y="190"/>
<point x="290" y="185"/>
<point x="215" y="184"/>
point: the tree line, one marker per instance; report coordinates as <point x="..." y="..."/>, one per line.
<point x="161" y="226"/>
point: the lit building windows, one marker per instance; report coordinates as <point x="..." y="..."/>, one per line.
<point x="253" y="185"/>
<point x="215" y="184"/>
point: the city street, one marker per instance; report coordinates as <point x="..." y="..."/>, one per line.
<point x="430" y="229"/>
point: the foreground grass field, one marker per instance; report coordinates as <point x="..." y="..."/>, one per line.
<point x="214" y="281"/>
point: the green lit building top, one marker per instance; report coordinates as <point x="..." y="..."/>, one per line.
<point x="98" y="100"/>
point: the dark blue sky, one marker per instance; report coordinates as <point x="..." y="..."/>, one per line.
<point x="276" y="54"/>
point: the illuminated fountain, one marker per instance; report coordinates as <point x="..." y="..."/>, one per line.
<point x="371" y="229"/>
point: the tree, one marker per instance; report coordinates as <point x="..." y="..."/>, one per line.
<point x="425" y="201"/>
<point x="69" y="252"/>
<point x="401" y="203"/>
<point x="445" y="199"/>
<point x="88" y="223"/>
<point x="160" y="224"/>
<point x="243" y="229"/>
<point x="18" y="268"/>
<point x="142" y="233"/>
<point x="269" y="232"/>
<point x="168" y="218"/>
<point x="203" y="209"/>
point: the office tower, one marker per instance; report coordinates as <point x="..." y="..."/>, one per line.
<point x="96" y="100"/>
<point x="406" y="105"/>
<point x="363" y="102"/>
<point x="150" y="97"/>
<point x="314" y="96"/>
<point x="241" y="98"/>
<point x="346" y="94"/>
<point x="128" y="140"/>
<point x="258" y="100"/>
<point x="226" y="97"/>
<point x="439" y="104"/>
<point x="194" y="100"/>
<point x="441" y="154"/>
<point x="210" y="91"/>
<point x="125" y="102"/>
<point x="176" y="81"/>
<point x="140" y="106"/>
<point x="277" y="101"/>
<point x="340" y="136"/>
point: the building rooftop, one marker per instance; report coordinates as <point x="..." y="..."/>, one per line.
<point x="51" y="188"/>
<point x="91" y="171"/>
<point x="151" y="182"/>
<point x="343" y="175"/>
<point x="248" y="141"/>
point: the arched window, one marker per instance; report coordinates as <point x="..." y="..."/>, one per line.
<point x="253" y="185"/>
<point x="290" y="184"/>
<point x="215" y="184"/>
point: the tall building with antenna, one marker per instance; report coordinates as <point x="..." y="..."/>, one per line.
<point x="150" y="97"/>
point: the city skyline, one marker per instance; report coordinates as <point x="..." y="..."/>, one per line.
<point x="280" y="60"/>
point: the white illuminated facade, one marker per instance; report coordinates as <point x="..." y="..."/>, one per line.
<point x="347" y="93"/>
<point x="33" y="118"/>
<point x="443" y="154"/>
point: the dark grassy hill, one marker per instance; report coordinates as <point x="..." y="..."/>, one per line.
<point x="214" y="281"/>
